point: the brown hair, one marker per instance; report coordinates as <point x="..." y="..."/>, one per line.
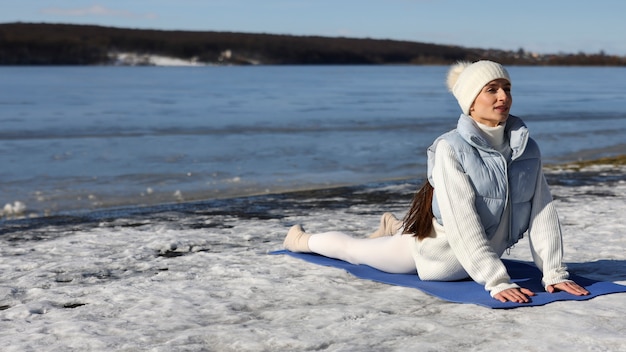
<point x="419" y="220"/>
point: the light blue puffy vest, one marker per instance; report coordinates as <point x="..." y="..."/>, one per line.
<point x="495" y="181"/>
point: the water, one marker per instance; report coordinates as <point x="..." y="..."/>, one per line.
<point x="81" y="138"/>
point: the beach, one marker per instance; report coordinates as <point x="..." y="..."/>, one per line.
<point x="199" y="277"/>
<point x="140" y="206"/>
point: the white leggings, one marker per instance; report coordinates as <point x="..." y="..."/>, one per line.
<point x="391" y="254"/>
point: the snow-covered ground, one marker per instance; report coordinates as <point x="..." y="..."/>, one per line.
<point x="135" y="59"/>
<point x="199" y="278"/>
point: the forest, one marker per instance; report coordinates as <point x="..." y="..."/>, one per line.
<point x="68" y="44"/>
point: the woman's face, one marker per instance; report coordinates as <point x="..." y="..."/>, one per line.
<point x="492" y="105"/>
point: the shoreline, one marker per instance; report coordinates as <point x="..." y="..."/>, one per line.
<point x="396" y="192"/>
<point x="607" y="160"/>
<point x="584" y="172"/>
<point x="581" y="171"/>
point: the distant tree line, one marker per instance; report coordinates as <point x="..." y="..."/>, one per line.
<point x="65" y="44"/>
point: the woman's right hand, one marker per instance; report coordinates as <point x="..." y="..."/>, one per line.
<point x="517" y="295"/>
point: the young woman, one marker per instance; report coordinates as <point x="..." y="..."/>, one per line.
<point x="485" y="189"/>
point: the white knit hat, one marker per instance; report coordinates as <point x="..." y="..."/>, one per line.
<point x="465" y="80"/>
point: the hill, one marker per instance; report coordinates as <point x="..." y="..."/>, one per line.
<point x="66" y="44"/>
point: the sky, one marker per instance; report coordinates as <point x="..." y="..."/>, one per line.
<point x="542" y="26"/>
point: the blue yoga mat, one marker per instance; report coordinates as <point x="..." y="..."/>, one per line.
<point x="467" y="291"/>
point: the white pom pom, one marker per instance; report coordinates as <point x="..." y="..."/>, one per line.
<point x="454" y="72"/>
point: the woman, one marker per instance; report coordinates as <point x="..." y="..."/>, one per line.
<point x="485" y="189"/>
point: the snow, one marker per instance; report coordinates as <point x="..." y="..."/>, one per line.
<point x="16" y="209"/>
<point x="134" y="59"/>
<point x="199" y="278"/>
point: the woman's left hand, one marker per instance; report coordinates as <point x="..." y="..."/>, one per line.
<point x="569" y="287"/>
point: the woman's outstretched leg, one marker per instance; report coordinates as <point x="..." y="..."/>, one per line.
<point x="391" y="254"/>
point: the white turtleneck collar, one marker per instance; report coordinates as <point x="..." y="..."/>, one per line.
<point x="494" y="135"/>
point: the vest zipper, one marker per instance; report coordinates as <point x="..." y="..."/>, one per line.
<point x="507" y="205"/>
